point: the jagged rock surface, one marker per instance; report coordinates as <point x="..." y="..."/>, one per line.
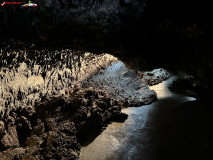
<point x="122" y="84"/>
<point x="58" y="127"/>
<point x="28" y="75"/>
<point x="154" y="77"/>
<point x="48" y="109"/>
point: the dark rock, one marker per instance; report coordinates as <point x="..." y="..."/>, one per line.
<point x="27" y="111"/>
<point x="51" y="123"/>
<point x="2" y="129"/>
<point x="10" y="139"/>
<point x="119" y="117"/>
<point x="10" y="120"/>
<point x="60" y="145"/>
<point x="10" y="154"/>
<point x="67" y="127"/>
<point x="57" y="127"/>
<point x="188" y="86"/>
<point x="34" y="141"/>
<point x="107" y="117"/>
<point x="100" y="104"/>
<point x="80" y="115"/>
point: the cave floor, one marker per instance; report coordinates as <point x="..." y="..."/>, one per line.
<point x="174" y="127"/>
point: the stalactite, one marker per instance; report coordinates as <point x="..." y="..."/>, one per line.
<point x="36" y="74"/>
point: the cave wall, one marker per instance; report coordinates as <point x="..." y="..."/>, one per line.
<point x="145" y="34"/>
<point x="77" y="22"/>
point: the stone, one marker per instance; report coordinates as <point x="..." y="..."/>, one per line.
<point x="56" y="128"/>
<point x="2" y="129"/>
<point x="10" y="139"/>
<point x="10" y="154"/>
<point x="34" y="141"/>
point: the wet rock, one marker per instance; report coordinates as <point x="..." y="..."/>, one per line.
<point x="56" y="125"/>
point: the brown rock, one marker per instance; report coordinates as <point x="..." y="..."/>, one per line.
<point x="2" y="129"/>
<point x="10" y="139"/>
<point x="10" y="120"/>
<point x="11" y="154"/>
<point x="51" y="123"/>
<point x="34" y="141"/>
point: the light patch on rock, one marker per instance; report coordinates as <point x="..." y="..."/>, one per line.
<point x="154" y="77"/>
<point x="123" y="84"/>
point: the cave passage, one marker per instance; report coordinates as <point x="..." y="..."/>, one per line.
<point x="58" y="87"/>
<point x="174" y="127"/>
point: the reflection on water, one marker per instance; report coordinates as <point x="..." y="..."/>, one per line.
<point x="137" y="137"/>
<point x="163" y="91"/>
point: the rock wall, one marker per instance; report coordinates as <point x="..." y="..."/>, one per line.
<point x="52" y="102"/>
<point x="144" y="34"/>
<point x="28" y="76"/>
<point x="75" y="22"/>
<point x="58" y="127"/>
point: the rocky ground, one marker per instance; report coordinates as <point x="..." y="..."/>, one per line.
<point x="58" y="127"/>
<point x="28" y="75"/>
<point x="123" y="84"/>
<point x="53" y="102"/>
<point x="154" y="77"/>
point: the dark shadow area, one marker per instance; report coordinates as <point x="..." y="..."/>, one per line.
<point x="180" y="131"/>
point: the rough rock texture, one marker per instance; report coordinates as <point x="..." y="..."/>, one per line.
<point x="175" y="35"/>
<point x="154" y="77"/>
<point x="10" y="139"/>
<point x="123" y="84"/>
<point x="47" y="107"/>
<point x="28" y="75"/>
<point x="145" y="34"/>
<point x="58" y="127"/>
